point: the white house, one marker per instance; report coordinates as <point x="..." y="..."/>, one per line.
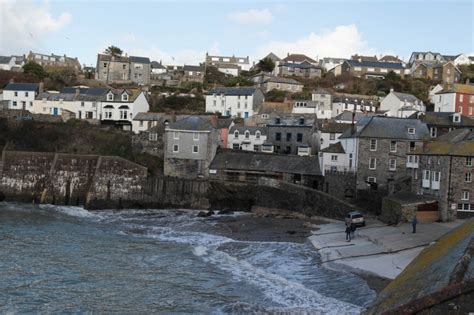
<point x="333" y="159"/>
<point x="7" y="62"/>
<point x="246" y="138"/>
<point x="330" y="131"/>
<point x="121" y="105"/>
<point x="234" y="101"/>
<point x="403" y="105"/>
<point x="20" y="95"/>
<point x="330" y="63"/>
<point x="353" y="102"/>
<point x="324" y="99"/>
<point x="433" y="90"/>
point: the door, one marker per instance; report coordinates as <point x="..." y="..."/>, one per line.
<point x="55" y="111"/>
<point x="246" y="115"/>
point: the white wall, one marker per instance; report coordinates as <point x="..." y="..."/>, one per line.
<point x="22" y="96"/>
<point x="325" y="139"/>
<point x="338" y="108"/>
<point x="327" y="163"/>
<point x="231" y="140"/>
<point x="230" y="105"/>
<point x="445" y="102"/>
<point x="351" y="146"/>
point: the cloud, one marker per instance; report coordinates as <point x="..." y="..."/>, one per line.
<point x="342" y="41"/>
<point x="24" y="25"/>
<point x="252" y="16"/>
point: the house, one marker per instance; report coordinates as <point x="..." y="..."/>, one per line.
<point x="302" y="70"/>
<point x="260" y="77"/>
<point x="190" y="146"/>
<point x="446" y="171"/>
<point x="21" y="95"/>
<point x="458" y="60"/>
<point x="268" y="111"/>
<point x="372" y="69"/>
<point x="228" y="64"/>
<point x="349" y="117"/>
<point x="194" y="73"/>
<point x="54" y="60"/>
<point x="455" y="98"/>
<point x="7" y="62"/>
<point x="390" y="58"/>
<point x="353" y="102"/>
<point x="444" y="72"/>
<point x="305" y="107"/>
<point x="245" y="166"/>
<point x="157" y="67"/>
<point x="397" y="104"/>
<point x="380" y="149"/>
<point x="333" y="158"/>
<point x="234" y="101"/>
<point x="440" y="123"/>
<point x="364" y="58"/>
<point x="144" y="121"/>
<point x="246" y="138"/>
<point x="425" y="56"/>
<point x="123" y="69"/>
<point x="329" y="64"/>
<point x="299" y="59"/>
<point x="276" y="60"/>
<point x="432" y="92"/>
<point x="330" y="131"/>
<point x="294" y="134"/>
<point x="324" y="99"/>
<point x="282" y="84"/>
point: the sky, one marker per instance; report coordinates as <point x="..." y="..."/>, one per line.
<point x="182" y="31"/>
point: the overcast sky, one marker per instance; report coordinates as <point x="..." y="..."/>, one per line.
<point x="180" y="32"/>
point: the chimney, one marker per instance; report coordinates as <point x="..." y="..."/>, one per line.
<point x="41" y="87"/>
<point x="288" y="54"/>
<point x="78" y="91"/>
<point x="353" y="121"/>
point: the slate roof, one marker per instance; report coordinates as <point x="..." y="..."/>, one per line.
<point x="148" y="116"/>
<point x="334" y="148"/>
<point x="320" y="90"/>
<point x="136" y="59"/>
<point x="282" y="80"/>
<point x="264" y="162"/>
<point x="334" y="127"/>
<point x="251" y="129"/>
<point x="157" y="65"/>
<point x="388" y="128"/>
<point x="194" y="68"/>
<point x="375" y="64"/>
<point x="364" y="58"/>
<point x="293" y="120"/>
<point x="272" y="56"/>
<point x="303" y="65"/>
<point x="459" y="142"/>
<point x="298" y="58"/>
<point x="233" y="91"/>
<point x="192" y="123"/>
<point x="5" y="59"/>
<point x="21" y="87"/>
<point x="458" y="88"/>
<point x="444" y="119"/>
<point x="347" y="115"/>
<point x="406" y="97"/>
<point x="390" y="58"/>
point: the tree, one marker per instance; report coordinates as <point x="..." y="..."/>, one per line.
<point x="266" y="64"/>
<point x="35" y="69"/>
<point x="239" y="81"/>
<point x="113" y="51"/>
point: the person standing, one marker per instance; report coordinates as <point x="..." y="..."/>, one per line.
<point x="348" y="233"/>
<point x="353" y="229"/>
<point x="414" y="221"/>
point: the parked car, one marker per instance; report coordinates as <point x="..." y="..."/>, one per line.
<point x="355" y="217"/>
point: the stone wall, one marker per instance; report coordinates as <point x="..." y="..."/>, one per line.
<point x="340" y="185"/>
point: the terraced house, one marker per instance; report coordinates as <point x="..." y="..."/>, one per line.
<point x="372" y="69"/>
<point x="123" y="69"/>
<point x="234" y="101"/>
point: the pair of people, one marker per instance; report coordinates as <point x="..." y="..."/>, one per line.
<point x="350" y="231"/>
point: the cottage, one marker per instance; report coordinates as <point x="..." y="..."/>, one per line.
<point x="353" y="102"/>
<point x="21" y="95"/>
<point x="234" y="101"/>
<point x="190" y="146"/>
<point x="250" y="166"/>
<point x="398" y="104"/>
<point x="446" y="169"/>
<point x="333" y="158"/>
<point x="302" y="70"/>
<point x="440" y="123"/>
<point x="228" y="64"/>
<point x="330" y="131"/>
<point x="456" y="98"/>
<point x="194" y="73"/>
<point x="246" y="138"/>
<point x="282" y="84"/>
<point x="372" y="69"/>
<point x="329" y="64"/>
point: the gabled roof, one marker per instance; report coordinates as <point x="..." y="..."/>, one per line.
<point x="149" y="116"/>
<point x="334" y="148"/>
<point x="441" y="119"/>
<point x="298" y="58"/>
<point x="334" y="127"/>
<point x="459" y="142"/>
<point x="375" y="64"/>
<point x="405" y="97"/>
<point x="233" y="91"/>
<point x="21" y="87"/>
<point x="191" y="123"/>
<point x="364" y="58"/>
<point x="282" y="80"/>
<point x="136" y="59"/>
<point x="264" y="162"/>
<point x="5" y="59"/>
<point x="388" y="128"/>
<point x="272" y="56"/>
<point x="157" y="65"/>
<point x="458" y="88"/>
<point x="390" y="58"/>
<point x="194" y="68"/>
<point x="347" y="115"/>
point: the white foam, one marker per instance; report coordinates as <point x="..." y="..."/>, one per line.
<point x="200" y="250"/>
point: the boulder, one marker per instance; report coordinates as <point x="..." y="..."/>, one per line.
<point x="2" y="196"/>
<point x="226" y="211"/>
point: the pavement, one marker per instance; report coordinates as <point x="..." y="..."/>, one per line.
<point x="376" y="248"/>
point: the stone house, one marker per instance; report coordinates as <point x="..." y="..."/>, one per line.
<point x="324" y="99"/>
<point x="281" y="84"/>
<point x="246" y="138"/>
<point x="140" y="70"/>
<point x="371" y="69"/>
<point x="245" y="166"/>
<point x="444" y="72"/>
<point x="21" y="95"/>
<point x="380" y="149"/>
<point x="440" y="123"/>
<point x="190" y="146"/>
<point x="294" y="134"/>
<point x="193" y="73"/>
<point x="54" y="61"/>
<point x="446" y="170"/>
<point x="397" y="104"/>
<point x="455" y="98"/>
<point x="123" y="69"/>
<point x="234" y="101"/>
<point x="429" y="56"/>
<point x="228" y="64"/>
<point x="302" y="70"/>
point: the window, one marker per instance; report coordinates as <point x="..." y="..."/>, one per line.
<point x="412" y="145"/>
<point x="82" y="104"/>
<point x="16" y="93"/>
<point x="105" y="64"/>
<point x="465" y="207"/>
<point x="196" y="136"/>
<point x="124" y="67"/>
<point x="334" y="158"/>
<point x="26" y="94"/>
<point x="411" y="131"/>
<point x="371" y="180"/>
<point x="332" y="136"/>
<point x="373" y="145"/>
<point x="176" y="135"/>
<point x="393" y="146"/>
<point x="236" y="134"/>
<point x="31" y="104"/>
<point x="469" y="161"/>
<point x="195" y="149"/>
<point x="257" y="135"/>
<point x="392" y="164"/>
<point x="247" y="134"/>
<point x="175" y="148"/>
<point x="153" y="136"/>
<point x="141" y="123"/>
<point x="288" y="136"/>
<point x="278" y="136"/>
<point x="435" y="178"/>
<point x="372" y="163"/>
<point x="124" y="97"/>
<point x="426" y="179"/>
<point x="123" y="114"/>
<point x="214" y="103"/>
<point x="433" y="132"/>
<point x="299" y="137"/>
<point x="468" y="177"/>
<point x="460" y="109"/>
<point x="235" y="146"/>
<point x="110" y="97"/>
<point x="465" y="195"/>
<point x="461" y="97"/>
<point x="14" y="103"/>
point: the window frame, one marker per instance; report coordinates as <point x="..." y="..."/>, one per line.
<point x="373" y="145"/>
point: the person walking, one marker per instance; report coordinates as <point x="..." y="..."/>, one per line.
<point x="348" y="233"/>
<point x="353" y="229"/>
<point x="414" y="221"/>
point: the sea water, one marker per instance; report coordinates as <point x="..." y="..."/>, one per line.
<point x="66" y="259"/>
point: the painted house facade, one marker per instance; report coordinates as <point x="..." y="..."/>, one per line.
<point x="246" y="138"/>
<point x="456" y="98"/>
<point x="354" y="103"/>
<point x="234" y="101"/>
<point x="397" y="104"/>
<point x="372" y="69"/>
<point x="21" y="95"/>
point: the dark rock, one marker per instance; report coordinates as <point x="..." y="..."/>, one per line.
<point x="209" y="213"/>
<point x="291" y="232"/>
<point x="202" y="214"/>
<point x="2" y="196"/>
<point x="226" y="211"/>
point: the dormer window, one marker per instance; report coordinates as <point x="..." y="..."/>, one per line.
<point x="247" y="134"/>
<point x="110" y="97"/>
<point x="236" y="134"/>
<point x="456" y="118"/>
<point x="411" y="131"/>
<point x="124" y="97"/>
